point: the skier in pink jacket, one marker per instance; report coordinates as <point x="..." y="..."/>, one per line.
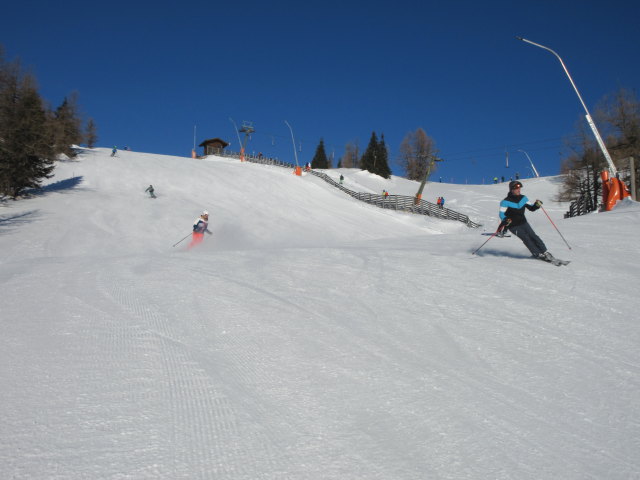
<point x="200" y="226"/>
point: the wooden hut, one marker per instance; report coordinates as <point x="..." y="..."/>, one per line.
<point x="213" y="146"/>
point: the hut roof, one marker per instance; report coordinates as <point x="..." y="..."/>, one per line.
<point x="214" y="140"/>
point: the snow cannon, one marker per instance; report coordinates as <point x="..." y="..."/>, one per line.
<point x="613" y="189"/>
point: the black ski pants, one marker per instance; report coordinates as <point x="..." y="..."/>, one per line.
<point x="532" y="241"/>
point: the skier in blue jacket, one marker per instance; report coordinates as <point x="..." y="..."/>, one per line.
<point x="513" y="219"/>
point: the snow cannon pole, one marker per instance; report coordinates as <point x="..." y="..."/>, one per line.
<point x="181" y="240"/>
<point x="496" y="232"/>
<point x="554" y="226"/>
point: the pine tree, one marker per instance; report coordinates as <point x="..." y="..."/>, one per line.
<point x="90" y="134"/>
<point x="382" y="160"/>
<point x="26" y="152"/>
<point x="369" y="157"/>
<point x="320" y="158"/>
<point x="66" y="127"/>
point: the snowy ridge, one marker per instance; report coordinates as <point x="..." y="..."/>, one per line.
<point x="311" y="336"/>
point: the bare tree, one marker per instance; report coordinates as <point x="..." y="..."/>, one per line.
<point x="415" y="150"/>
<point x="583" y="164"/>
<point x="90" y="134"/>
<point x="351" y="156"/>
<point x="618" y="116"/>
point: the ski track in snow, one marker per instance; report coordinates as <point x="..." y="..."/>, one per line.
<point x="208" y="438"/>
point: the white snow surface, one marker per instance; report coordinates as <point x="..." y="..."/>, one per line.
<point x="311" y="336"/>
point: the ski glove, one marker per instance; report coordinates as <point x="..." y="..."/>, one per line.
<point x="505" y="223"/>
<point x="538" y="203"/>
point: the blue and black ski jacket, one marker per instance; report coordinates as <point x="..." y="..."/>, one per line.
<point x="513" y="207"/>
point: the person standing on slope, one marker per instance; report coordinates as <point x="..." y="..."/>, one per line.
<point x="513" y="219"/>
<point x="200" y="226"/>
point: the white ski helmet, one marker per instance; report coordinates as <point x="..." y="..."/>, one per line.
<point x="205" y="213"/>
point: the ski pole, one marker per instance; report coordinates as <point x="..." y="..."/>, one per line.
<point x="496" y="232"/>
<point x="181" y="240"/>
<point x="554" y="225"/>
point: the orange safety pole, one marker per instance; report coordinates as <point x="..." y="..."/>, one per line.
<point x="613" y="189"/>
<point x="614" y="194"/>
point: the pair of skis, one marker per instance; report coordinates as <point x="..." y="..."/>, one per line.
<point x="553" y="260"/>
<point x="547" y="257"/>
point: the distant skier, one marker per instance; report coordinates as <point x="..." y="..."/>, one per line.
<point x="200" y="226"/>
<point x="441" y="202"/>
<point x="114" y="151"/>
<point x="150" y="190"/>
<point x="513" y="219"/>
<point x="341" y="179"/>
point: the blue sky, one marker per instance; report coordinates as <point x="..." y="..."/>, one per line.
<point x="148" y="72"/>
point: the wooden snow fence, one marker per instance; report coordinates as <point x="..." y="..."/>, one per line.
<point x="401" y="203"/>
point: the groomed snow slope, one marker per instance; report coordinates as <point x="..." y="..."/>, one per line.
<point x="311" y="336"/>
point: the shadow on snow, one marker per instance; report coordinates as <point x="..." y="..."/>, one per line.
<point x="59" y="186"/>
<point x="487" y="252"/>
<point x="14" y="221"/>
